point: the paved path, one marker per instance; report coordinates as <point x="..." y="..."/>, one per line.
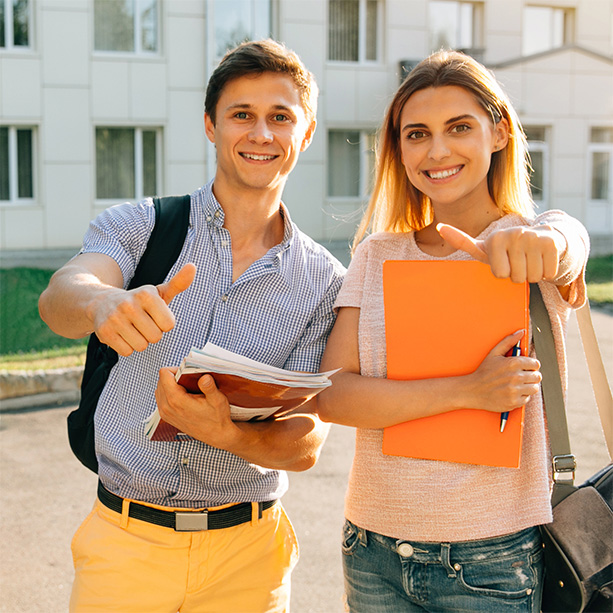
<point x="45" y="493"/>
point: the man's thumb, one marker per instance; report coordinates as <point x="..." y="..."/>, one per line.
<point x="177" y="284"/>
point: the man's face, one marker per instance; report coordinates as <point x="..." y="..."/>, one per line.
<point x="260" y="130"/>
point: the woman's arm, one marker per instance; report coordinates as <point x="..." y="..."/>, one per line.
<point x="499" y="384"/>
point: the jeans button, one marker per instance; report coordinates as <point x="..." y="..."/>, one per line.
<point x="405" y="550"/>
<point x="456" y="567"/>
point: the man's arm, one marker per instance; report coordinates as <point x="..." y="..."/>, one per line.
<point x="292" y="442"/>
<point x="86" y="295"/>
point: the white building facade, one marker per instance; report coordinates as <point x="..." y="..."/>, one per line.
<point x="101" y="101"/>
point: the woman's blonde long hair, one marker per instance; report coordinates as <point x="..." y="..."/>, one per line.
<point x="395" y="204"/>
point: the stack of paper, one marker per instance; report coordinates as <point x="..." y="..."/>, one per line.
<point x="255" y="390"/>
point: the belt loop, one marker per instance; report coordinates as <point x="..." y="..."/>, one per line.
<point x="125" y="513"/>
<point x="256" y="512"/>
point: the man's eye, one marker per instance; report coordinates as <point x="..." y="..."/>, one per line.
<point x="281" y="117"/>
<point x="241" y="115"/>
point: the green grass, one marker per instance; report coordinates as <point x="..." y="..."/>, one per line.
<point x="21" y="329"/>
<point x="27" y="343"/>
<point x="599" y="276"/>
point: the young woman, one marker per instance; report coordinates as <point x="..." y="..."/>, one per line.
<point x="437" y="536"/>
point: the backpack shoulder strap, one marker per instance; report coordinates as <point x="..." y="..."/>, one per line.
<point x="165" y="242"/>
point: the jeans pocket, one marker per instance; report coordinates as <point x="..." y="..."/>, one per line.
<point x="350" y="538"/>
<point x="511" y="575"/>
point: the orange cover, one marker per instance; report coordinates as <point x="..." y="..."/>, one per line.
<point x="266" y="399"/>
<point x="441" y="319"/>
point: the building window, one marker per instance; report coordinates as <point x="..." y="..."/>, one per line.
<point x="353" y="30"/>
<point x="127" y="163"/>
<point x="351" y="161"/>
<point x="456" y="25"/>
<point x="237" y="21"/>
<point x="128" y="26"/>
<point x="539" y="156"/>
<point x="601" y="164"/>
<point x="16" y="164"/>
<point x="546" y="27"/>
<point x="15" y="24"/>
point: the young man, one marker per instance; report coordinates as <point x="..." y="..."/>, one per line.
<point x="247" y="279"/>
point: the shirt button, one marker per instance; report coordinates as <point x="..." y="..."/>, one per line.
<point x="184" y="461"/>
<point x="224" y="298"/>
<point x="224" y="243"/>
<point x="405" y="550"/>
<point x="209" y="218"/>
<point x="217" y="214"/>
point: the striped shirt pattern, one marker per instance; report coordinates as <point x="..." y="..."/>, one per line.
<point x="280" y="311"/>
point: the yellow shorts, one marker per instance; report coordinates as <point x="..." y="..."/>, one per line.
<point x="126" y="565"/>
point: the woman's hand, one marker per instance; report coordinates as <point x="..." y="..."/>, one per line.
<point x="521" y="253"/>
<point x="503" y="383"/>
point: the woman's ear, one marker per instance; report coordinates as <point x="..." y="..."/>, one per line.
<point x="501" y="134"/>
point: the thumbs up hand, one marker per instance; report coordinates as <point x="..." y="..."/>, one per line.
<point x="521" y="253"/>
<point x="130" y="320"/>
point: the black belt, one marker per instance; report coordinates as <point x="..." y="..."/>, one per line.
<point x="185" y="521"/>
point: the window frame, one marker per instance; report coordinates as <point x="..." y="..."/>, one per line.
<point x="139" y="179"/>
<point x="365" y="181"/>
<point x="9" y="29"/>
<point x="14" y="199"/>
<point x="136" y="36"/>
<point x="568" y="26"/>
<point x="541" y="146"/>
<point x="476" y="48"/>
<point x="599" y="147"/>
<point x="362" y="37"/>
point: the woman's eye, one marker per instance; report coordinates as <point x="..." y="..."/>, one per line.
<point x="461" y="128"/>
<point x="416" y="135"/>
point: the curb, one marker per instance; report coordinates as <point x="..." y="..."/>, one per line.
<point x="22" y="389"/>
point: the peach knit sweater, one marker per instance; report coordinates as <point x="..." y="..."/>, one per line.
<point x="423" y="500"/>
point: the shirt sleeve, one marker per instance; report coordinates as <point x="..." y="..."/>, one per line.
<point x="121" y="232"/>
<point x="306" y="356"/>
<point x="353" y="286"/>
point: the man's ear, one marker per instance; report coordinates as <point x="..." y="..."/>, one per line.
<point x="501" y="134"/>
<point x="308" y="137"/>
<point x="209" y="128"/>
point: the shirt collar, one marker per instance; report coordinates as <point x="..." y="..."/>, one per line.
<point x="214" y="213"/>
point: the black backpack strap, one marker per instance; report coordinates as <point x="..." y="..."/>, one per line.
<point x="166" y="240"/>
<point x="163" y="249"/>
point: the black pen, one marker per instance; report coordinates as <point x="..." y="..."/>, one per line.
<point x="505" y="416"/>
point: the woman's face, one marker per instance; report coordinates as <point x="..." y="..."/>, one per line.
<point x="446" y="142"/>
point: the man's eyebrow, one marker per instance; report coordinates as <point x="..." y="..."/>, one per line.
<point x="247" y="105"/>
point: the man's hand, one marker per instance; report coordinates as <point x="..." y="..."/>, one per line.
<point x="292" y="442"/>
<point x="131" y="320"/>
<point x="522" y="253"/>
<point x="204" y="416"/>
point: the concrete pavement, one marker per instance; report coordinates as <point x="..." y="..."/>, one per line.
<point x="45" y="493"/>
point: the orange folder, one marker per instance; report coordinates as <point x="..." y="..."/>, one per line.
<point x="441" y="319"/>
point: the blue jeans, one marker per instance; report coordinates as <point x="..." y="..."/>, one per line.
<point x="388" y="575"/>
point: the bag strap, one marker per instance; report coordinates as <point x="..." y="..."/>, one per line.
<point x="563" y="461"/>
<point x="166" y="240"/>
<point x="598" y="375"/>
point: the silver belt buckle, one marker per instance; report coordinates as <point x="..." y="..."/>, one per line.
<point x="195" y="521"/>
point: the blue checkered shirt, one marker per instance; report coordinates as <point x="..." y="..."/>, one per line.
<point x="279" y="312"/>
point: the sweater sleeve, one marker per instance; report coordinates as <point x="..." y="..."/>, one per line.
<point x="571" y="269"/>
